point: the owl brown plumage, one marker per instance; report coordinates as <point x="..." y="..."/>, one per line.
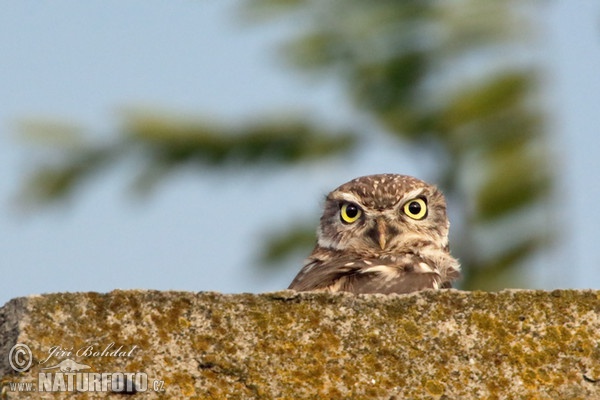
<point x="383" y="233"/>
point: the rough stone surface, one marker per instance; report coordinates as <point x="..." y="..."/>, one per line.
<point x="436" y="345"/>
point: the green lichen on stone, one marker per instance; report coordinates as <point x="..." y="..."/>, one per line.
<point x="434" y="344"/>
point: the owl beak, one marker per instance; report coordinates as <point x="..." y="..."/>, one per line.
<point x="381" y="233"/>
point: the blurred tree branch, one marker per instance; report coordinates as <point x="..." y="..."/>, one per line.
<point x="164" y="144"/>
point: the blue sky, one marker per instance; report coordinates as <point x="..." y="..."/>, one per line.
<point x="86" y="62"/>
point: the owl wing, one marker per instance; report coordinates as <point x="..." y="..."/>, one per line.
<point x="404" y="274"/>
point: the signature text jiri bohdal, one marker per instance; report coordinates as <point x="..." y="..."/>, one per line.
<point x="110" y="350"/>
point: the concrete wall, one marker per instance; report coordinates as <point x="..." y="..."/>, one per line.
<point x="437" y="345"/>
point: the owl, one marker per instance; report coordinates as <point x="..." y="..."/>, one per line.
<point x="383" y="233"/>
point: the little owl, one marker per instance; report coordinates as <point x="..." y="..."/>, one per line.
<point x="381" y="234"/>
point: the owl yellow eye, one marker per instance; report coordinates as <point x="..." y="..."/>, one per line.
<point x="350" y="212"/>
<point x="416" y="209"/>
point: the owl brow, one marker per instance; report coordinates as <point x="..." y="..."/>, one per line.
<point x="413" y="194"/>
<point x="349" y="197"/>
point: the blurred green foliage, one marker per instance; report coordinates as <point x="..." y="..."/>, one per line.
<point x="440" y="76"/>
<point x="445" y="78"/>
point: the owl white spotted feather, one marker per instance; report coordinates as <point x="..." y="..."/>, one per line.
<point x="383" y="233"/>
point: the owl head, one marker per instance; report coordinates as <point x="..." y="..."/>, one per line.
<point x="385" y="214"/>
